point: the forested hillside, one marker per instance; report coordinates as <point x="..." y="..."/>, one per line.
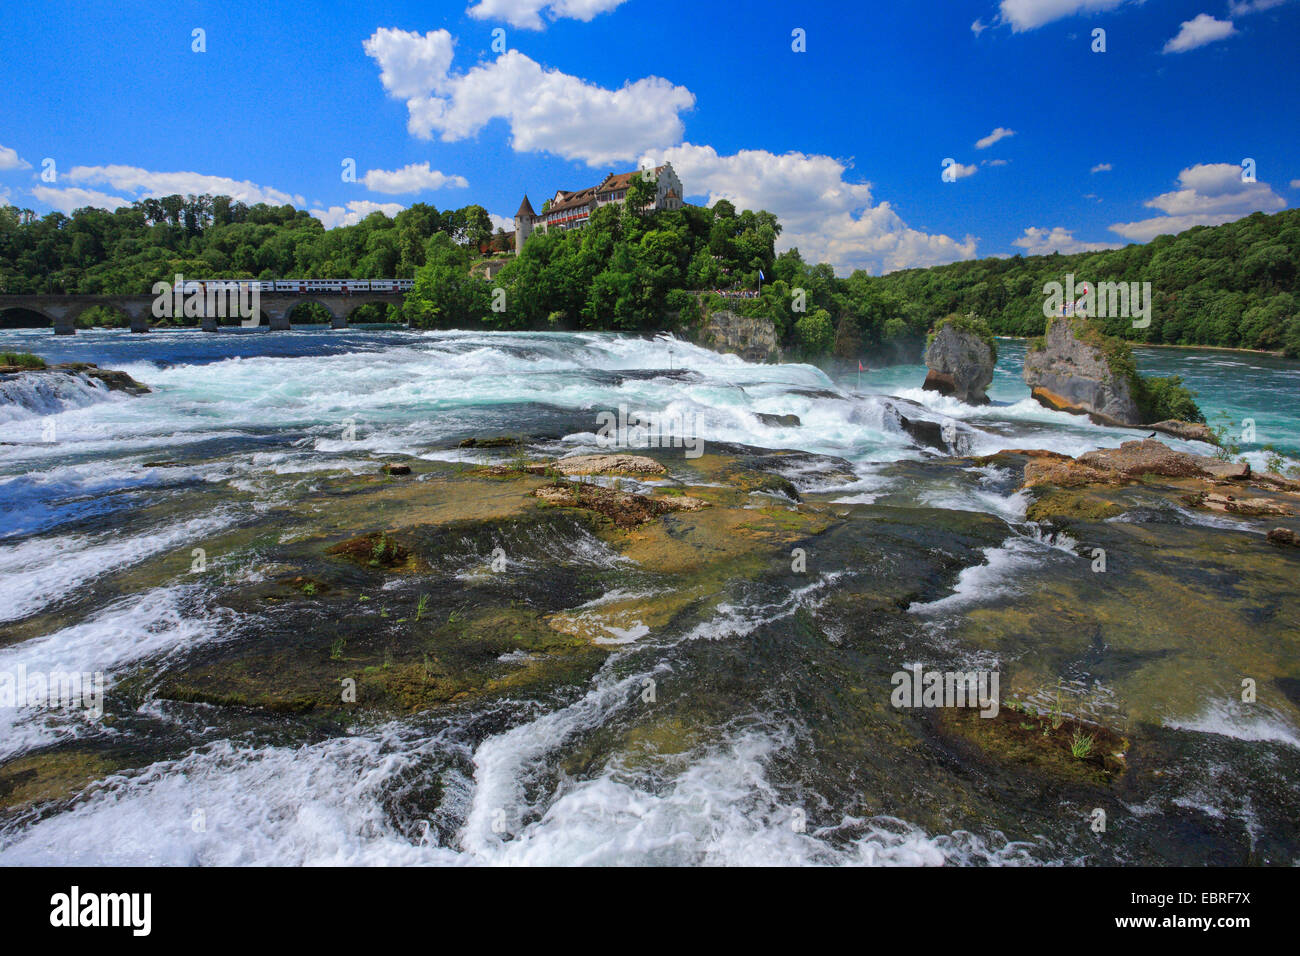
<point x="126" y="251"/>
<point x="1232" y="285"/>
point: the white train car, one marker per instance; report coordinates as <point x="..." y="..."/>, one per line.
<point x="299" y="286"/>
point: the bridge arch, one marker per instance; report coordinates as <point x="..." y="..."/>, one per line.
<point x="310" y="312"/>
<point x="109" y="314"/>
<point x="22" y="317"/>
<point x="373" y="312"/>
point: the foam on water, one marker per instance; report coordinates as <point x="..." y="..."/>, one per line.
<point x="1240" y="723"/>
<point x="148" y="626"/>
<point x="1000" y="575"/>
<point x="324" y="804"/>
<point x="37" y="395"/>
<point x="38" y="572"/>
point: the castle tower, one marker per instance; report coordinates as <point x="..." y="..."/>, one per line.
<point x="523" y="224"/>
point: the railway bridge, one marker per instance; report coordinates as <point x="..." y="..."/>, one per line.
<point x="60" y="312"/>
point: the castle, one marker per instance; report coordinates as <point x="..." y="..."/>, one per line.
<point x="571" y="210"/>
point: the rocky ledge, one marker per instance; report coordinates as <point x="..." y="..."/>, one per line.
<point x="1095" y="485"/>
<point x="111" y="379"/>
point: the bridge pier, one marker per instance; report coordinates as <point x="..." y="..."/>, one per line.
<point x="65" y="318"/>
<point x="208" y="323"/>
<point x="279" y="319"/>
<point x="338" y="313"/>
<point x="138" y="312"/>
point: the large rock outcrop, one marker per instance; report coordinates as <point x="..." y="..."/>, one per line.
<point x="754" y="340"/>
<point x="1073" y="370"/>
<point x="960" y="358"/>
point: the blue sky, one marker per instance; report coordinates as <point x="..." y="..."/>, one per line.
<point x="844" y="140"/>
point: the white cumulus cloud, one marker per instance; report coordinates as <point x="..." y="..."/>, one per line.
<point x="546" y="110"/>
<point x="1209" y="194"/>
<point x="1000" y="133"/>
<point x="1238" y="8"/>
<point x="67" y="199"/>
<point x="146" y="183"/>
<point x="9" y="159"/>
<point x="414" y="178"/>
<point x="1031" y="14"/>
<point x="526" y="14"/>
<point x="354" y="212"/>
<point x="1043" y="242"/>
<point x="829" y="218"/>
<point x="961" y="170"/>
<point x="1199" y="31"/>
<point x="1101" y="168"/>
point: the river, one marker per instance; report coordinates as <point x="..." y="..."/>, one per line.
<point x="759" y="743"/>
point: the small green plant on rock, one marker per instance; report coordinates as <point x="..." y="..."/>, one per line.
<point x="1081" y="744"/>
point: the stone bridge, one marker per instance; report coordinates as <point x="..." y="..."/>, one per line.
<point x="61" y="311"/>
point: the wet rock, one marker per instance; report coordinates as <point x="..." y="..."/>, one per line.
<point x="1066" y="473"/>
<point x="374" y="550"/>
<point x="1050" y="744"/>
<point x="1188" y="431"/>
<point x="1150" y="457"/>
<point x="1073" y="370"/>
<point x="925" y="432"/>
<point x="1284" y="537"/>
<point x="944" y="438"/>
<point x="778" y="421"/>
<point x="396" y="469"/>
<point x="960" y="358"/>
<point x="602" y="465"/>
<point x="1230" y="504"/>
<point x="1225" y="470"/>
<point x="626" y="510"/>
<point x="1091" y="487"/>
<point x="501" y="441"/>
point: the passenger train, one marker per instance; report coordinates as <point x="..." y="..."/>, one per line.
<point x="299" y="286"/>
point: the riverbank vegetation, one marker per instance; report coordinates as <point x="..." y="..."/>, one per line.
<point x="1232" y="285"/>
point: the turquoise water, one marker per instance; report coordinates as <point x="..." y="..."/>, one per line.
<point x="1231" y="387"/>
